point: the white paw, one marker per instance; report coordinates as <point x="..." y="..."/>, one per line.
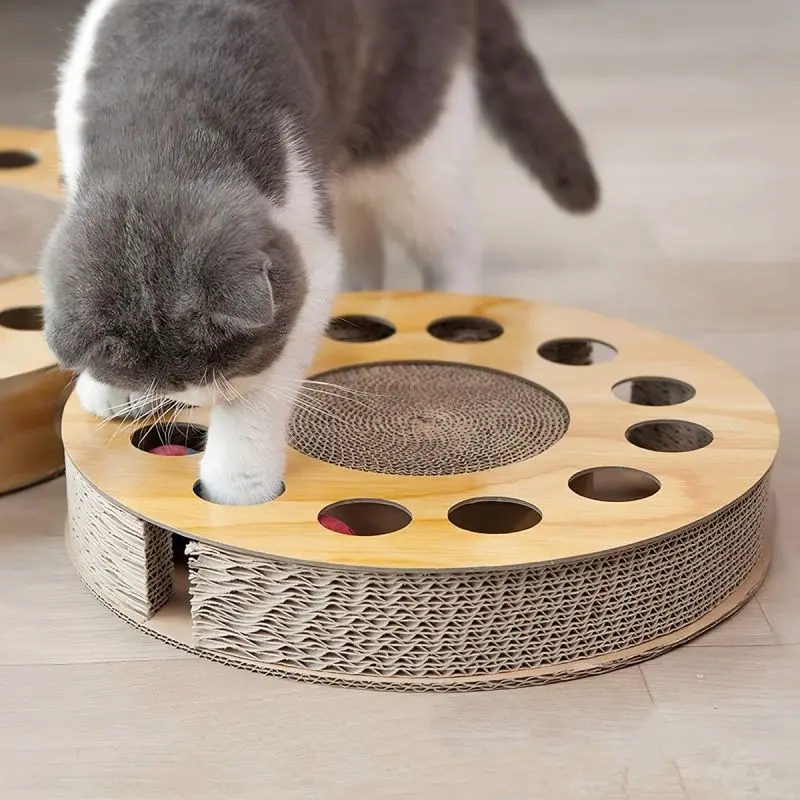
<point x="230" y="482"/>
<point x="108" y="402"/>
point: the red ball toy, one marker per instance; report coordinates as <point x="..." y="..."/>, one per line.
<point x="172" y="450"/>
<point x="336" y="525"/>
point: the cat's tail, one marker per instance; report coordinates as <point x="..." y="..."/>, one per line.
<point x="522" y="110"/>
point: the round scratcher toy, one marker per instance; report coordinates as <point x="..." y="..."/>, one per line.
<point x="172" y="450"/>
<point x="530" y="494"/>
<point x="32" y="390"/>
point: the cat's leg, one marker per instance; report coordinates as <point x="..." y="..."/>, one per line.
<point x="362" y="246"/>
<point x="427" y="198"/>
<point x="245" y="454"/>
<point x="443" y="240"/>
<point x="109" y="402"/>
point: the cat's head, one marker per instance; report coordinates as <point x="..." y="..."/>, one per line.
<point x="166" y="288"/>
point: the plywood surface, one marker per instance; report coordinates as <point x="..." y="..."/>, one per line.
<point x="41" y="176"/>
<point x="22" y="351"/>
<point x="693" y="484"/>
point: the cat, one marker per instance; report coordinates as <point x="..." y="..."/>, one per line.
<point x="230" y="164"/>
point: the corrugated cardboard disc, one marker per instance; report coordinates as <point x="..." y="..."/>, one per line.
<point x="520" y="493"/>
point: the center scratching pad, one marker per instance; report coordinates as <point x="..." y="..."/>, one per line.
<point x="412" y="418"/>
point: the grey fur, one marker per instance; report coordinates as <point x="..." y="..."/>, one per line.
<point x="166" y="266"/>
<point x="160" y="285"/>
<point x="523" y="111"/>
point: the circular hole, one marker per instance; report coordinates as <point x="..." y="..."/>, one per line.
<point x="653" y="391"/>
<point x="669" y="436"/>
<point x="577" y="352"/>
<point x="364" y="517"/>
<point x="359" y="328"/>
<point x="180" y="439"/>
<point x="22" y="318"/>
<point x="463" y="330"/>
<point x="16" y="159"/>
<point x="614" y="484"/>
<point x="494" y="515"/>
<point x="197" y="488"/>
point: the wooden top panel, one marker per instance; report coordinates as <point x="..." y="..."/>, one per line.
<point x="21" y="351"/>
<point x="693" y="484"/>
<point x="41" y="176"/>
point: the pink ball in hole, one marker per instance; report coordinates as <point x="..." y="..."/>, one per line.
<point x="172" y="450"/>
<point x="336" y="525"/>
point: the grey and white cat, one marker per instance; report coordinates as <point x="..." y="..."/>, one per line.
<point x="224" y="158"/>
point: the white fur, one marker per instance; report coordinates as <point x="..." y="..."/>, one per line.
<point x="107" y="401"/>
<point x="424" y="200"/>
<point x="244" y="457"/>
<point x="72" y="90"/>
<point x="99" y="399"/>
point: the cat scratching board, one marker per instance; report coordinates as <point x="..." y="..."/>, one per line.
<point x="32" y="390"/>
<point x="535" y="494"/>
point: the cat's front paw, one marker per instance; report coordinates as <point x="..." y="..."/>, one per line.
<point x="108" y="402"/>
<point x="235" y="485"/>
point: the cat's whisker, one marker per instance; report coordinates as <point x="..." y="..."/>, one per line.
<point x="339" y="387"/>
<point x="165" y="429"/>
<point x="148" y="404"/>
<point x="227" y="386"/>
<point x="172" y="424"/>
<point x="247" y="401"/>
<point x="314" y="412"/>
<point x="218" y="387"/>
<point x="323" y="392"/>
<point x="294" y="399"/>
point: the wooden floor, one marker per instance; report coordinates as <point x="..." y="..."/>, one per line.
<point x="692" y="110"/>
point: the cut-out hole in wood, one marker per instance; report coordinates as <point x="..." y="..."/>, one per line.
<point x="22" y="318"/>
<point x="16" y="159"/>
<point x="614" y="484"/>
<point x="170" y="439"/>
<point x="654" y="391"/>
<point x="197" y="489"/>
<point x="494" y="515"/>
<point x="465" y="329"/>
<point x="367" y="517"/>
<point x="669" y="436"/>
<point x="359" y="328"/>
<point x="577" y="352"/>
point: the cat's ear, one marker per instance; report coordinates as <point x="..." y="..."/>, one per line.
<point x="248" y="302"/>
